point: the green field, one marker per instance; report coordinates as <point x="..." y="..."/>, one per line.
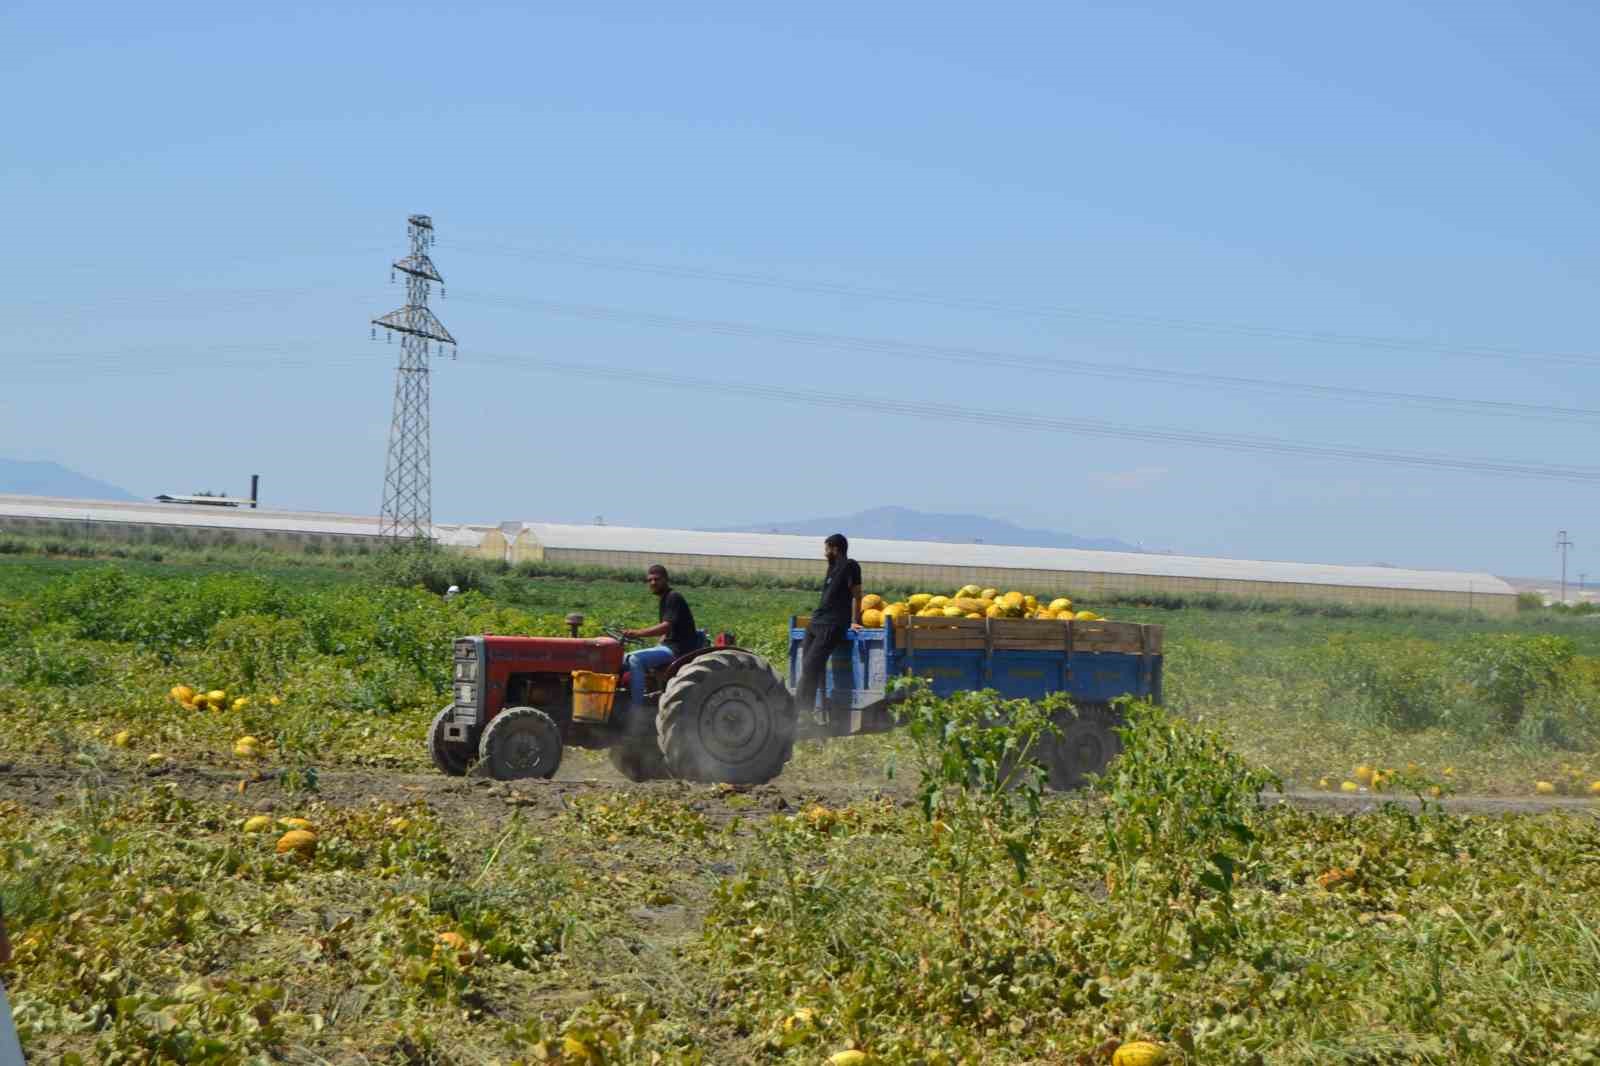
<point x="873" y="897"/>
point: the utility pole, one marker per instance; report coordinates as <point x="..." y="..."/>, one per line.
<point x="1562" y="544"/>
<point x="408" y="473"/>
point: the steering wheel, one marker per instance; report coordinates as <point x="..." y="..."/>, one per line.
<point x="616" y="634"/>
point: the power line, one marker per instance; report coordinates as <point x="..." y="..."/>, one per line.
<point x="978" y="303"/>
<point x="1090" y="427"/>
<point x="989" y="359"/>
<point x="285" y="355"/>
<point x="986" y="358"/>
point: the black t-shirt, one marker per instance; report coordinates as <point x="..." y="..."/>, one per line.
<point x="834" y="608"/>
<point x="675" y="609"/>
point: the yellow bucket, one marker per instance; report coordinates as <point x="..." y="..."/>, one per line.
<point x="592" y="695"/>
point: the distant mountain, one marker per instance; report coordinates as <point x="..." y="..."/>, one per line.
<point x="53" y="479"/>
<point x="902" y="523"/>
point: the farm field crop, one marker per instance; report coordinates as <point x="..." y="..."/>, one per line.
<point x="588" y="920"/>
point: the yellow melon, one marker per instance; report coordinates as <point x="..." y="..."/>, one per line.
<point x="1060" y="603"/>
<point x="121" y="737"/>
<point x="294" y="823"/>
<point x="258" y="823"/>
<point x="1349" y="786"/>
<point x="1544" y="788"/>
<point x="181" y="693"/>
<point x="1364" y="774"/>
<point x="246" y="747"/>
<point x="1594" y="788"/>
<point x="302" y="843"/>
<point x="872" y="601"/>
<point x="952" y="611"/>
<point x="871" y="618"/>
<point x="1139" y="1053"/>
<point x="1013" y="599"/>
<point x="988" y="594"/>
<point x="939" y="601"/>
<point x="919" y="601"/>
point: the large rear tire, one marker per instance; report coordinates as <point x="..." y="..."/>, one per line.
<point x="639" y="758"/>
<point x="521" y="742"/>
<point x="1087" y="744"/>
<point x="450" y="757"/>
<point x="726" y="717"/>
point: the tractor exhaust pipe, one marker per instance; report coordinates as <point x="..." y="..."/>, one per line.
<point x="574" y="623"/>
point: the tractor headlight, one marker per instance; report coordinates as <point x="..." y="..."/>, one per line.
<point x="467" y="671"/>
<point x="465" y="695"/>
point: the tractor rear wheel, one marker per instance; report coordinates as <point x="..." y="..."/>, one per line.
<point x="451" y="757"/>
<point x="1087" y="744"/>
<point x="521" y="742"/>
<point x="726" y="717"/>
<point x="639" y="758"/>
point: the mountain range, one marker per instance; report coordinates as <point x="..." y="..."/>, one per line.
<point x="903" y="523"/>
<point x="52" y="479"/>
<point x="879" y="523"/>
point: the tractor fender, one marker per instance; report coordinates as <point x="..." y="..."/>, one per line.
<point x="684" y="660"/>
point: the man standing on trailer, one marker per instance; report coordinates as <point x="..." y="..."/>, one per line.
<point x="676" y="630"/>
<point x="838" y="612"/>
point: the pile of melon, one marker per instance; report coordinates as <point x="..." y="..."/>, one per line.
<point x="970" y="601"/>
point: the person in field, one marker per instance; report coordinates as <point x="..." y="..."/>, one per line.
<point x="10" y="1046"/>
<point x="676" y="630"/>
<point x="838" y="612"/>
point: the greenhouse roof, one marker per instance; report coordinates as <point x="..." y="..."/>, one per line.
<point x="996" y="556"/>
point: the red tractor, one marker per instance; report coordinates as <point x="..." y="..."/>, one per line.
<point x="719" y="713"/>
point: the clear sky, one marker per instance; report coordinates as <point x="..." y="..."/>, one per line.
<point x="202" y="201"/>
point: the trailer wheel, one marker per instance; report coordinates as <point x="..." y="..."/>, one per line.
<point x="451" y="757"/>
<point x="521" y="742"/>
<point x="1087" y="744"/>
<point x="726" y="717"/>
<point x="639" y="759"/>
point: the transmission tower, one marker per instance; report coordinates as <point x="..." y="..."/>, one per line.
<point x="1563" y="542"/>
<point x="408" y="474"/>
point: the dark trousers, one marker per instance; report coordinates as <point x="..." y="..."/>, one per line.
<point x="821" y="641"/>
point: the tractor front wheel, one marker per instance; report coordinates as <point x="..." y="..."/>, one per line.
<point x="521" y="742"/>
<point x="451" y="757"/>
<point x="1087" y="744"/>
<point x="726" y="717"/>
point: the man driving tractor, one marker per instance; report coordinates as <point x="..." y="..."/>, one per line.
<point x="676" y="630"/>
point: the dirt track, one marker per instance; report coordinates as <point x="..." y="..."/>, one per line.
<point x="44" y="784"/>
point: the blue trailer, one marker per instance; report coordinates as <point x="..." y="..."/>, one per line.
<point x="1092" y="662"/>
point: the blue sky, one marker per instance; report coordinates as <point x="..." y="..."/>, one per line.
<point x="203" y="201"/>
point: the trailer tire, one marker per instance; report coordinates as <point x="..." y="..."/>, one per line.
<point x="450" y="757"/>
<point x="521" y="742"/>
<point x="639" y="758"/>
<point x="726" y="717"/>
<point x="1087" y="743"/>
